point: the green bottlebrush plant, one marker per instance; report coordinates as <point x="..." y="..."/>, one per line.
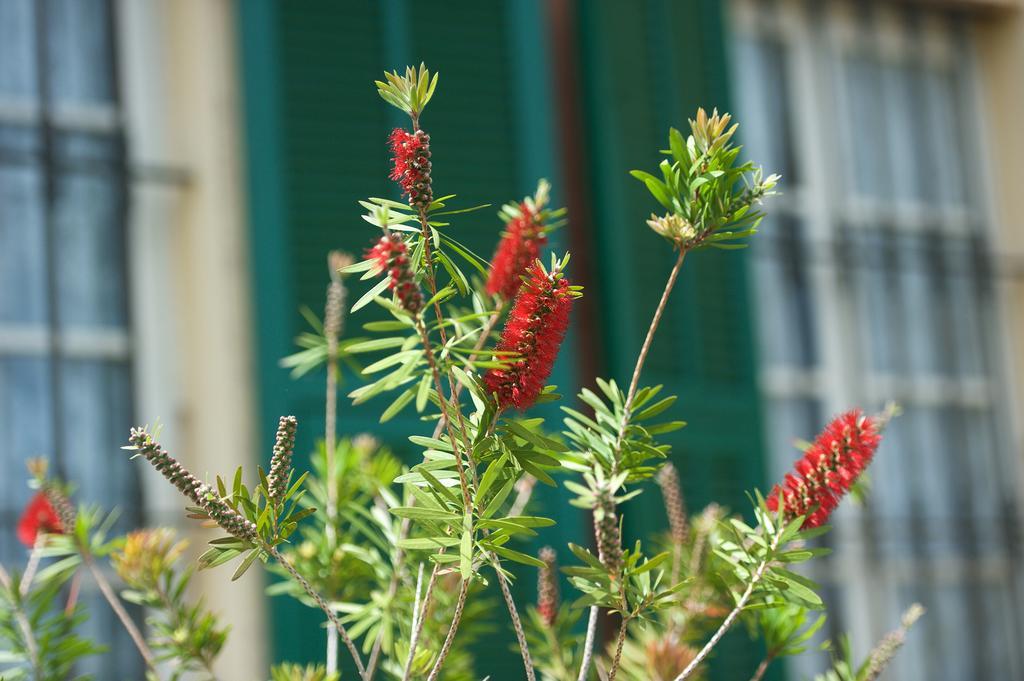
<point x="38" y="623"/>
<point x="400" y="557"/>
<point x="185" y="636"/>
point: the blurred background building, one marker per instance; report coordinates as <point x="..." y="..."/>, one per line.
<point x="173" y="173"/>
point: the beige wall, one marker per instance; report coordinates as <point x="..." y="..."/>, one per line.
<point x="190" y="277"/>
<point x="999" y="40"/>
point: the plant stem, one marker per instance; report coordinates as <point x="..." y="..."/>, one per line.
<point x="322" y="604"/>
<point x="416" y="627"/>
<point x="618" y="649"/>
<point x="76" y="584"/>
<point x="33" y="564"/>
<point x="517" y="623"/>
<point x="432" y="362"/>
<point x="116" y="606"/>
<point x="644" y="349"/>
<point x="485" y="333"/>
<point x="371" y="665"/>
<point x="24" y="624"/>
<point x="755" y="579"/>
<point x="762" y="668"/>
<point x="332" y="320"/>
<point x="588" y="643"/>
<point x="420" y="616"/>
<point x="588" y="646"/>
<point x="460" y="605"/>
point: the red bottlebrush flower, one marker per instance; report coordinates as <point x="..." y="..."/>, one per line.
<point x="828" y="469"/>
<point x="392" y="256"/>
<point x="39" y="517"/>
<point x="524" y="237"/>
<point x="548" y="598"/>
<point x="412" y="165"/>
<point x="534" y="331"/>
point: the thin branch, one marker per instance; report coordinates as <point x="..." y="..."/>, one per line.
<point x="588" y="649"/>
<point x="644" y="349"/>
<point x="33" y="564"/>
<point x="332" y="328"/>
<point x="762" y="668"/>
<point x="73" y="591"/>
<point x="485" y="333"/>
<point x="517" y="623"/>
<point x="117" y="607"/>
<point x="460" y="605"/>
<point x="419" y="616"/>
<point x="731" y="618"/>
<point x="322" y="604"/>
<point x="588" y="644"/>
<point x="524" y="490"/>
<point x="371" y="665"/>
<point x="415" y="624"/>
<point x="618" y="649"/>
<point x="23" y="622"/>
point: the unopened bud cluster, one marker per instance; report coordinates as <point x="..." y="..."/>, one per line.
<point x="166" y="464"/>
<point x="202" y="495"/>
<point x="281" y="461"/>
<point x="606" y="530"/>
<point x="675" y="509"/>
<point x="547" y="587"/>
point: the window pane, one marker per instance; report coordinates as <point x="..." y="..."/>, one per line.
<point x="80" y="45"/>
<point x="764" y="89"/>
<point x="865" y="116"/>
<point x="96" y="414"/>
<point x="783" y="293"/>
<point x="17" y="48"/>
<point x="90" y="251"/>
<point x="22" y="244"/>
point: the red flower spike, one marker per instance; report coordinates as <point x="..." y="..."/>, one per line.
<point x="39" y="517"/>
<point x="519" y="247"/>
<point x="548" y="598"/>
<point x="534" y="331"/>
<point x="392" y="256"/>
<point x="828" y="469"/>
<point x="412" y="165"/>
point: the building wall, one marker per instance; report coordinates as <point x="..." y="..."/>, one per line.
<point x="190" y="274"/>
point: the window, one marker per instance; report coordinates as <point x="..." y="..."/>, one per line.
<point x="65" y="389"/>
<point x="875" y="280"/>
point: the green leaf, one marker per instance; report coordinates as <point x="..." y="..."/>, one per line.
<point x="466" y="548"/>
<point x="489" y="476"/>
<point x="426" y="543"/>
<point x="377" y="344"/>
<point x="399" y="404"/>
<point x="517" y="556"/>
<point x="245" y="564"/>
<point x="420" y="513"/>
<point x="365" y="299"/>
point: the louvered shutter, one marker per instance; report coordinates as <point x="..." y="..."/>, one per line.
<point x="649" y="65"/>
<point x="315" y="138"/>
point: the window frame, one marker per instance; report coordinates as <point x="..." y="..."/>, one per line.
<point x="822" y="204"/>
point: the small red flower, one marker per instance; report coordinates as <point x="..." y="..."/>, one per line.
<point x="534" y="331"/>
<point x="519" y="247"/>
<point x="828" y="469"/>
<point x="392" y="256"/>
<point x="412" y="165"/>
<point x="39" y="517"/>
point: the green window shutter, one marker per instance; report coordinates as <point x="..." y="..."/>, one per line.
<point x="648" y="66"/>
<point x="316" y="143"/>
